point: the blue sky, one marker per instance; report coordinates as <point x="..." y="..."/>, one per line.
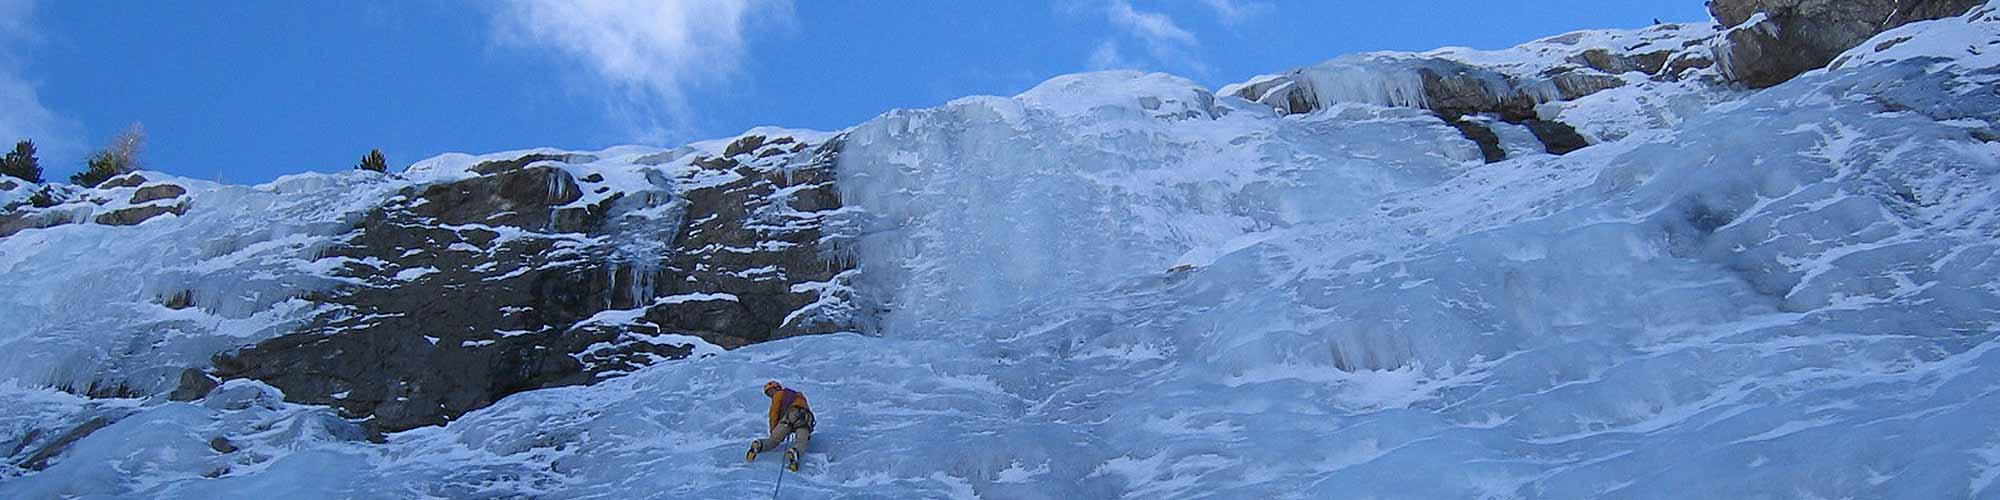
<point x="248" y="91"/>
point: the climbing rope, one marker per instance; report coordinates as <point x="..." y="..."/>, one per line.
<point x="781" y="480"/>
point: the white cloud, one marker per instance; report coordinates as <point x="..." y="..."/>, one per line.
<point x="1234" y="12"/>
<point x="1164" y="40"/>
<point x="648" y="53"/>
<point x="22" y="115"/>
<point x="1107" y="56"/>
<point x="1153" y="27"/>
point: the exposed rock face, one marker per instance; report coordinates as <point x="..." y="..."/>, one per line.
<point x="1463" y="90"/>
<point x="142" y="213"/>
<point x="1557" y="138"/>
<point x="1796" y="36"/>
<point x="123" y="181"/>
<point x="22" y="220"/>
<point x="194" y="384"/>
<point x="53" y="205"/>
<point x="157" y="192"/>
<point x="529" y="276"/>
<point x="1613" y="63"/>
<point x="758" y="240"/>
<point x="1288" y="93"/>
<point x="1479" y="133"/>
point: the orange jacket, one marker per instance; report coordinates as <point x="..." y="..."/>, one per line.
<point x="798" y="400"/>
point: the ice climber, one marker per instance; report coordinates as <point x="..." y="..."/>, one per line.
<point x="789" y="417"/>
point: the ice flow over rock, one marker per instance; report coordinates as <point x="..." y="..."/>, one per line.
<point x="1121" y="285"/>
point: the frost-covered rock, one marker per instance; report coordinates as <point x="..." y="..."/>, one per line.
<point x="1514" y="85"/>
<point x="194" y="384"/>
<point x="551" y="269"/>
<point x="1509" y="82"/>
<point x="1771" y="41"/>
<point x="133" y="179"/>
<point x="20" y="219"/>
<point x="136" y="214"/>
<point x="14" y="192"/>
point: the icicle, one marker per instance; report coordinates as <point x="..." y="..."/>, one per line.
<point x="1367" y="83"/>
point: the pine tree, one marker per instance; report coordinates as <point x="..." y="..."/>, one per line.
<point x="121" y="157"/>
<point x="103" y="165"/>
<point x="374" y="161"/>
<point x="43" y="198"/>
<point x="21" y="163"/>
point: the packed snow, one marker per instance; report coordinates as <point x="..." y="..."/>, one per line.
<point x="1119" y="285"/>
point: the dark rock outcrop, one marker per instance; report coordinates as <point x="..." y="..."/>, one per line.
<point x="142" y="213"/>
<point x="1609" y="62"/>
<point x="157" y="192"/>
<point x="1465" y="90"/>
<point x="194" y="384"/>
<point x="1557" y="138"/>
<point x="528" y="277"/>
<point x="1288" y="93"/>
<point x="22" y="220"/>
<point x="1479" y="133"/>
<point x="1796" y="36"/>
<point x="758" y="241"/>
<point x="123" y="181"/>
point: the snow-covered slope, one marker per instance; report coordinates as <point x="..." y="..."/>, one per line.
<point x="1120" y="285"/>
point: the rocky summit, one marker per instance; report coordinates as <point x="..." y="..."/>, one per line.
<point x="1753" y="258"/>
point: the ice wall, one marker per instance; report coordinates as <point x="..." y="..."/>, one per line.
<point x="1094" y="178"/>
